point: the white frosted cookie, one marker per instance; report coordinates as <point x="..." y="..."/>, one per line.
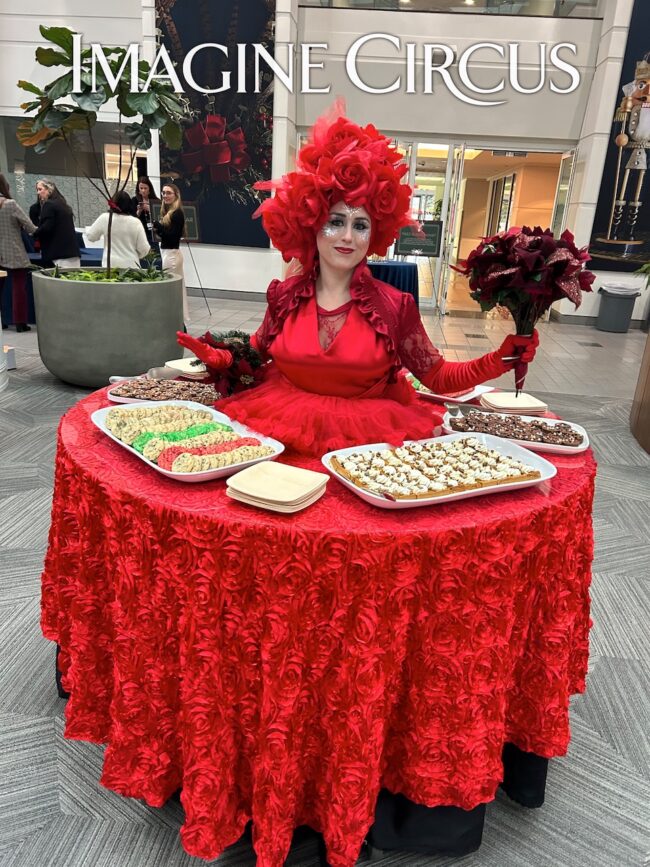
<point x="419" y="470"/>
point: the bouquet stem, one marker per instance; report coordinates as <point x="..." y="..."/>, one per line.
<point x="525" y="326"/>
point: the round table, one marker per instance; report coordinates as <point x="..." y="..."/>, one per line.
<point x="284" y="668"/>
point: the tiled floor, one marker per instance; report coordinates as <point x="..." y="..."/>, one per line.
<point x="54" y="813"/>
<point x="564" y="364"/>
<point x="571" y="359"/>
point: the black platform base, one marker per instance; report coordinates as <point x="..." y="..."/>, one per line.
<point x="524" y="776"/>
<point x="402" y="825"/>
<point x="57" y="674"/>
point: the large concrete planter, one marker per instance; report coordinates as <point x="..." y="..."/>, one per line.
<point x="90" y="331"/>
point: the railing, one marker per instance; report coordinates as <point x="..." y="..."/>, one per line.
<point x="542" y="8"/>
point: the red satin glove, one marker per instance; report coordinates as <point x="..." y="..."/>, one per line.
<point x="211" y="357"/>
<point x="524" y="347"/>
<point x="451" y="376"/>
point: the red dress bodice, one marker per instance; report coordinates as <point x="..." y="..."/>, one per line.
<point x="355" y="364"/>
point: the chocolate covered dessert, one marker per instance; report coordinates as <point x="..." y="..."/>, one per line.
<point x="515" y="428"/>
<point x="167" y="389"/>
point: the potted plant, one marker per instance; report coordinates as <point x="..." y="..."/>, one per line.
<point x="87" y="334"/>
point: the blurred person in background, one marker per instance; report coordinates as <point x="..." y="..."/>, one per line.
<point x="170" y="229"/>
<point x="35" y="209"/>
<point x="129" y="242"/>
<point x="56" y="231"/>
<point x="13" y="256"/>
<point x="142" y="202"/>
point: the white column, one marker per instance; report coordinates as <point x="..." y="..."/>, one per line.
<point x="148" y="54"/>
<point x="284" y="101"/>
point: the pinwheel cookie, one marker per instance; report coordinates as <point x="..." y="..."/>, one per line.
<point x="192" y="438"/>
<point x="168" y="456"/>
<point x="189" y="463"/>
<point x="128" y="424"/>
<point x="178" y="434"/>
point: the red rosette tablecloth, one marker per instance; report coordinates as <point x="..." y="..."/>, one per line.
<point x="282" y="668"/>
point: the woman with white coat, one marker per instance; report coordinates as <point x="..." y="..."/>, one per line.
<point x="128" y="239"/>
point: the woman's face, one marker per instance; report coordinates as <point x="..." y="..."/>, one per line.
<point x="42" y="191"/>
<point x="143" y="189"/>
<point x="168" y="195"/>
<point x="344" y="239"/>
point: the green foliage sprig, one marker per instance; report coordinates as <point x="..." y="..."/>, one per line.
<point x="117" y="275"/>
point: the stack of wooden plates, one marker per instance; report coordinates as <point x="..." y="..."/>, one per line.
<point x="506" y="402"/>
<point x="277" y="487"/>
<point x="185" y="367"/>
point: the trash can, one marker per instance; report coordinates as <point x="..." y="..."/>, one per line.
<point x="616" y="306"/>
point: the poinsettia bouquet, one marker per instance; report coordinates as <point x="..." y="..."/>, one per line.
<point x="232" y="362"/>
<point x="526" y="270"/>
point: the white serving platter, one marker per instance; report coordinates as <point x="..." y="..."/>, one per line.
<point x="99" y="419"/>
<point x="476" y="392"/>
<point x="505" y="447"/>
<point x="548" y="448"/>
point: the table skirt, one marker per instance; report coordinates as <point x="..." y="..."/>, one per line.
<point x="284" y="669"/>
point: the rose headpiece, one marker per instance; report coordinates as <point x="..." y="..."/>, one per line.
<point x="341" y="161"/>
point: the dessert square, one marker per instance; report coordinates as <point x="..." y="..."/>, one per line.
<point x="424" y="470"/>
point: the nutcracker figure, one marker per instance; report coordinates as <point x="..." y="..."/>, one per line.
<point x="633" y="137"/>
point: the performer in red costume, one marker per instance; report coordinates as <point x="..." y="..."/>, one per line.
<point x="337" y="338"/>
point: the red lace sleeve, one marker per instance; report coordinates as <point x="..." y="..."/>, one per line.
<point x="416" y="350"/>
<point x="421" y="357"/>
<point x="262" y="338"/>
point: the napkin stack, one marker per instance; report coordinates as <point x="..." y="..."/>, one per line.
<point x="507" y="403"/>
<point x="277" y="487"/>
<point x="185" y="368"/>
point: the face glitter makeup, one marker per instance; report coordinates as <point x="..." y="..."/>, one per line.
<point x="330" y="231"/>
<point x="344" y="238"/>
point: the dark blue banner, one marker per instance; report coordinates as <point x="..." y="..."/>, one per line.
<point x="228" y="141"/>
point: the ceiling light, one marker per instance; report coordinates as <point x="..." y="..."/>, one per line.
<point x="469" y="2"/>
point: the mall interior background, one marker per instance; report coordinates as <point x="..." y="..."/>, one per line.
<point x="535" y="159"/>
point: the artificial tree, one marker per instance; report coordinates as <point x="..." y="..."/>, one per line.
<point x="61" y="114"/>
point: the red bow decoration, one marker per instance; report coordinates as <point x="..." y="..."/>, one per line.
<point x="215" y="150"/>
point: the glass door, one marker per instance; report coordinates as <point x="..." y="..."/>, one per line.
<point x="501" y="196"/>
<point x="450" y="208"/>
<point x="429" y="165"/>
<point x="563" y="192"/>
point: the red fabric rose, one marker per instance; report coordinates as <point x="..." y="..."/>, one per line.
<point x="340" y="161"/>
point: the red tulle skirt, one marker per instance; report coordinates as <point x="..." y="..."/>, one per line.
<point x="313" y="424"/>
